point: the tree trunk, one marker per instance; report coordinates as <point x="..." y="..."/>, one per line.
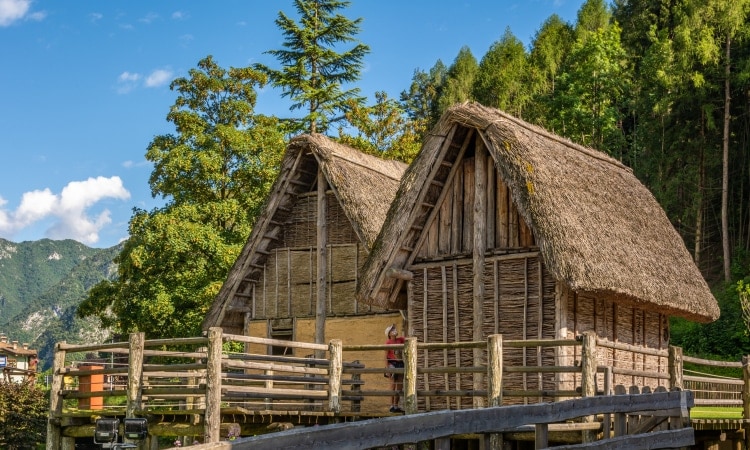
<point x="725" y="168"/>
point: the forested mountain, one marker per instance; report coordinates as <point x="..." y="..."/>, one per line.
<point x="41" y="284"/>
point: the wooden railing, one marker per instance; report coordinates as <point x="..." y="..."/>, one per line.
<point x="190" y="376"/>
<point x="655" y="421"/>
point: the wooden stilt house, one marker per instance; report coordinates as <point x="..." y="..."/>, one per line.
<point x="500" y="227"/>
<point x="304" y="255"/>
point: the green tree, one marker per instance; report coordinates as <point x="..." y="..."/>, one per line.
<point x="420" y="101"/>
<point x="23" y="415"/>
<point x="549" y="49"/>
<point x="382" y="129"/>
<point x="313" y="73"/>
<point x="214" y="174"/>
<point x="502" y="80"/>
<point x="592" y="92"/>
<point x="459" y="80"/>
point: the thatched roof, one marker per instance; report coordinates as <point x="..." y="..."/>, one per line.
<point x="364" y="186"/>
<point x="598" y="228"/>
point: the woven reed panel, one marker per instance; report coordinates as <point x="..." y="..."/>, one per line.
<point x="625" y="324"/>
<point x="300" y="228"/>
<point x="442" y="306"/>
<point x="340" y="229"/>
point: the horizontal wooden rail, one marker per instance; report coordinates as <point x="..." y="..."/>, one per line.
<point x="710" y="363"/>
<point x="276" y="342"/>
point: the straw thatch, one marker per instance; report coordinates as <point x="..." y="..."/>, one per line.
<point x="363" y="185"/>
<point x="597" y="227"/>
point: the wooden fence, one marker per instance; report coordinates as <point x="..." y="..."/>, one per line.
<point x="186" y="377"/>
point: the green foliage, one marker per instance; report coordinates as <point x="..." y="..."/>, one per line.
<point x="23" y="415"/>
<point x="457" y="87"/>
<point x="421" y="100"/>
<point x="313" y="73"/>
<point x="215" y="172"/>
<point x="382" y="130"/>
<point x="502" y="80"/>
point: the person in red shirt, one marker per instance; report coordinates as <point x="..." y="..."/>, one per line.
<point x="395" y="360"/>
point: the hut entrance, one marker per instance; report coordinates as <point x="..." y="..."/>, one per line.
<point x="282" y="330"/>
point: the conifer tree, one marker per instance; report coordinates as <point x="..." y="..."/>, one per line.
<point x="313" y="73"/>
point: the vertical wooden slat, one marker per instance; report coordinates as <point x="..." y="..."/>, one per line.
<point x="468" y="203"/>
<point x="265" y="289"/>
<point x="501" y="229"/>
<point x="322" y="260"/>
<point x="444" y="222"/>
<point x="276" y="283"/>
<point x="310" y="280"/>
<point x="479" y="246"/>
<point x="513" y="233"/>
<point x="675" y="368"/>
<point x="491" y="197"/>
<point x="525" y="320"/>
<point x="496" y="293"/>
<point x="457" y="210"/>
<point x="540" y="320"/>
<point x="356" y="275"/>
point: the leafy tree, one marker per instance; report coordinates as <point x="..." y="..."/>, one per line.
<point x="23" y="415"/>
<point x="549" y="49"/>
<point x="420" y="102"/>
<point x="459" y="80"/>
<point x="313" y="73"/>
<point x="214" y="172"/>
<point x="502" y="79"/>
<point x="594" y="15"/>
<point x="593" y="90"/>
<point x="382" y="130"/>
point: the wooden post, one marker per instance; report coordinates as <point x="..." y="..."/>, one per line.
<point x="588" y="375"/>
<point x="213" y="387"/>
<point x="588" y="364"/>
<point x="479" y="245"/>
<point x="55" y="400"/>
<point x="322" y="275"/>
<point x="608" y="390"/>
<point x="495" y="370"/>
<point x="541" y="436"/>
<point x="620" y="425"/>
<point x="410" y="375"/>
<point x="675" y="368"/>
<point x="135" y="373"/>
<point x="745" y="388"/>
<point x="335" y="368"/>
<point x="68" y="443"/>
<point x="495" y="382"/>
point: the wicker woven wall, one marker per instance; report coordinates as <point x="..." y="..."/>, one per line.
<point x="622" y="323"/>
<point x="519" y="303"/>
<point x="288" y="285"/>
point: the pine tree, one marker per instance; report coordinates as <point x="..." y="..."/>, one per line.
<point x="312" y="73"/>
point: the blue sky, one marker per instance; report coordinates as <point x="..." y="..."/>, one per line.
<point x="84" y="87"/>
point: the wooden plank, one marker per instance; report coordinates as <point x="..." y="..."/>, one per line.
<point x="501" y="229"/>
<point x="322" y="261"/>
<point x="212" y="419"/>
<point x="135" y="373"/>
<point x="467" y="240"/>
<point x="491" y="194"/>
<point x="683" y="437"/>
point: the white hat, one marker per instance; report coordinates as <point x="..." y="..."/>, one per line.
<point x="388" y="329"/>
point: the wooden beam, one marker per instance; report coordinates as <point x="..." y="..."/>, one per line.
<point x="322" y="251"/>
<point x="399" y="274"/>
<point x="479" y="246"/>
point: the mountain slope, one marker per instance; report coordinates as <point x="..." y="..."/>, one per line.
<point x="42" y="283"/>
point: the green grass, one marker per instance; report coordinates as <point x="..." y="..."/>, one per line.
<point x="715" y="412"/>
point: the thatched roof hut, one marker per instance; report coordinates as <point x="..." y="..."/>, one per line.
<point x="598" y="229"/>
<point x="363" y="187"/>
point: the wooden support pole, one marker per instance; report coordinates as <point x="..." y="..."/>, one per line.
<point x="212" y="430"/>
<point x="335" y="348"/>
<point x="588" y="364"/>
<point x="55" y="400"/>
<point x="495" y="383"/>
<point x="541" y="436"/>
<point x="410" y="375"/>
<point x="68" y="443"/>
<point x="322" y="250"/>
<point x="675" y="368"/>
<point x="479" y="246"/>
<point x="588" y="375"/>
<point x="135" y="373"/>
<point x="495" y="370"/>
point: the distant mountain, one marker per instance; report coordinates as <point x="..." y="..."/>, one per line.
<point x="41" y="285"/>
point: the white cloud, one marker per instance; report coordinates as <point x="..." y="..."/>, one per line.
<point x="95" y="17"/>
<point x="158" y="78"/>
<point x="179" y="15"/>
<point x="13" y="10"/>
<point x="148" y="18"/>
<point x="127" y="81"/>
<point x="67" y="210"/>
